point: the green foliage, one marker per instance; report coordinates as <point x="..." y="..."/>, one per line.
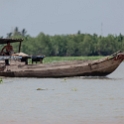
<point x="67" y="45"/>
<point x="87" y="46"/>
<point x="108" y="45"/>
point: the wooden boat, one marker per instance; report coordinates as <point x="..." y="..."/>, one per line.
<point x="20" y="68"/>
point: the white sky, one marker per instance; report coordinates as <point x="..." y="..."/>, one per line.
<point x="62" y="16"/>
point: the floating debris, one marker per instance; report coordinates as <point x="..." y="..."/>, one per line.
<point x="41" y="89"/>
<point x="74" y="89"/>
<point x="1" y="80"/>
<point x="64" y="79"/>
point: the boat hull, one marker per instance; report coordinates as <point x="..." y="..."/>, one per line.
<point x="100" y="67"/>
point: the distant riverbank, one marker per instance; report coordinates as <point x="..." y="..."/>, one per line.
<point x="69" y="58"/>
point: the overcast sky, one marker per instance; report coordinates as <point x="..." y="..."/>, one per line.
<point x="62" y="16"/>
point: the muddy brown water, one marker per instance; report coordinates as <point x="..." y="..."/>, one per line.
<point x="77" y="100"/>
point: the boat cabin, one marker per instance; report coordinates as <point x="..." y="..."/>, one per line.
<point x="23" y="57"/>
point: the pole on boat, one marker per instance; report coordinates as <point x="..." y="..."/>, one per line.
<point x="20" y="46"/>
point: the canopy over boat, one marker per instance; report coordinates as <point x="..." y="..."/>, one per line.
<point x="4" y="41"/>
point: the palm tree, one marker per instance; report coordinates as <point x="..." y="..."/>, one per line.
<point x="16" y="31"/>
<point x="23" y="32"/>
<point x="9" y="35"/>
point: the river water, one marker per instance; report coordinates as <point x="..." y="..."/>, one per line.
<point x="77" y="100"/>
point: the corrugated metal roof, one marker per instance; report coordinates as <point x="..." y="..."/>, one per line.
<point x="4" y="41"/>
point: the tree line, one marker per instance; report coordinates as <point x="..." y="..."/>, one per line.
<point x="78" y="44"/>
